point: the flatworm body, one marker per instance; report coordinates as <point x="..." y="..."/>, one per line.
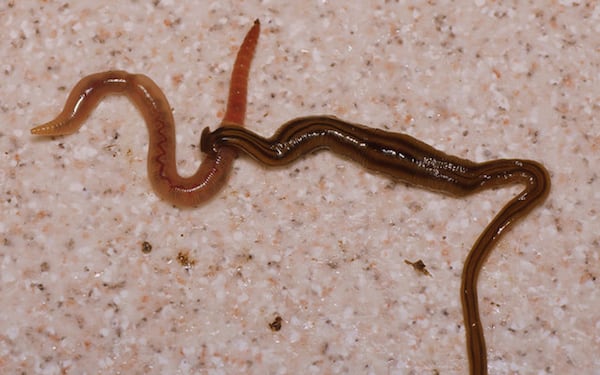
<point x="405" y="158"/>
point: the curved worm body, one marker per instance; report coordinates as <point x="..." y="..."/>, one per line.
<point x="408" y="159"/>
<point x="149" y="99"/>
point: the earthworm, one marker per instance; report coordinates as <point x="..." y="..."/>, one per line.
<point x="405" y="158"/>
<point x="151" y="102"/>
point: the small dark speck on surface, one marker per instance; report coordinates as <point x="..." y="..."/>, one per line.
<point x="275" y="325"/>
<point x="183" y="257"/>
<point x="146" y="247"/>
<point x="419" y="266"/>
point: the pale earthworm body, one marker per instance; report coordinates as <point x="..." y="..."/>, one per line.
<point x="151" y="102"/>
<point x="407" y="159"/>
<point x="397" y="155"/>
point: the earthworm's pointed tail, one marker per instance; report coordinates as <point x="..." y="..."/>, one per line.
<point x="238" y="89"/>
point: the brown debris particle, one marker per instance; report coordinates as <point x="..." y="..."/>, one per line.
<point x="275" y="325"/>
<point x="419" y="266"/>
<point x="146" y="247"/>
<point x="183" y="257"/>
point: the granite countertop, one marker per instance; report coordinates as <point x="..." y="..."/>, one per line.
<point x="299" y="269"/>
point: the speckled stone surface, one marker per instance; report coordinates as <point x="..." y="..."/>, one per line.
<point x="321" y="244"/>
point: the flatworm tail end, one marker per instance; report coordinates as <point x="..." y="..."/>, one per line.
<point x="537" y="183"/>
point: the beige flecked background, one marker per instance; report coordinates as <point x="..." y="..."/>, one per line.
<point x="321" y="244"/>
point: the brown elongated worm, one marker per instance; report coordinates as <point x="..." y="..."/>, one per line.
<point x="149" y="99"/>
<point x="405" y="158"/>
